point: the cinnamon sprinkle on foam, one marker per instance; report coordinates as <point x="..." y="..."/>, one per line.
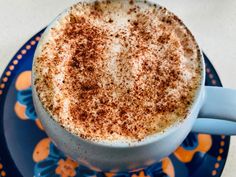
<point x="117" y="70"/>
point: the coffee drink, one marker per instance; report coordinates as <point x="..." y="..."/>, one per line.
<point x="117" y="71"/>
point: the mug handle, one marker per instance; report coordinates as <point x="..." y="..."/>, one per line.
<point x="218" y="113"/>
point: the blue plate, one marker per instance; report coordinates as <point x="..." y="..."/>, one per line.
<point x="25" y="149"/>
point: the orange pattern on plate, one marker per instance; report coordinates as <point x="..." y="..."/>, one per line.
<point x="66" y="168"/>
<point x="168" y="167"/>
<point x="20" y="111"/>
<point x="41" y="150"/>
<point x="204" y="144"/>
<point x="23" y="80"/>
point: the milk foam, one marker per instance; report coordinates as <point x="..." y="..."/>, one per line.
<point x="124" y="74"/>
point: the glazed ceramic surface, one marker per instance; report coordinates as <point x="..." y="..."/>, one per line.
<point x="120" y="158"/>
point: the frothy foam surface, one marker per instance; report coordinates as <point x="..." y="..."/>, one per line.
<point x="117" y="71"/>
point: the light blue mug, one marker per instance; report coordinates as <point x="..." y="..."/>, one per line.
<point x="213" y="111"/>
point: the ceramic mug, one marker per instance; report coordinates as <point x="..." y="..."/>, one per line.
<point x="213" y="111"/>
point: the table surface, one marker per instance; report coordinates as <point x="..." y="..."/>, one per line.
<point x="212" y="22"/>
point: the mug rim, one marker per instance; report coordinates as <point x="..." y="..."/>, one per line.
<point x="150" y="138"/>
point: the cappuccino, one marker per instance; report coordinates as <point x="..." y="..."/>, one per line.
<point x="117" y="71"/>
